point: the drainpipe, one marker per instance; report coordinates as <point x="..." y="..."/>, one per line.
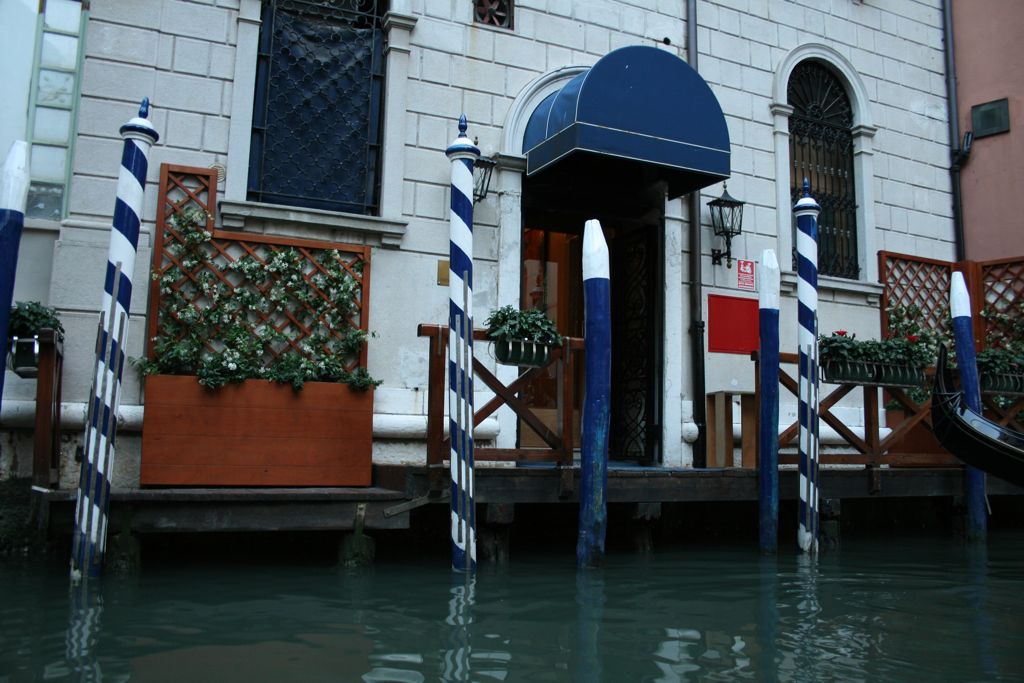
<point x="957" y="154"/>
<point x="696" y="288"/>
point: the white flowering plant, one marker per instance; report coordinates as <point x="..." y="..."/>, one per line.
<point x="283" y="314"/>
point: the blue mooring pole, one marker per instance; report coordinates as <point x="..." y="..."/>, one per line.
<point x="597" y="338"/>
<point x="963" y="336"/>
<point x="806" y="212"/>
<point x="768" y="420"/>
<point x="90" y="536"/>
<point x="14" y="181"/>
<point x="463" y="154"/>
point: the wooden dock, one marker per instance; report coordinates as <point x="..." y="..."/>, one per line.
<point x="400" y="489"/>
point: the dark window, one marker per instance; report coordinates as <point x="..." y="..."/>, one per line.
<point x="990" y="118"/>
<point x="821" y="150"/>
<point x="493" y="12"/>
<point x="317" y="114"/>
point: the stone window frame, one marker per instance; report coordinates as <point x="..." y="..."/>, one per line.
<point x="237" y="212"/>
<point x="863" y="163"/>
<point x="44" y="29"/>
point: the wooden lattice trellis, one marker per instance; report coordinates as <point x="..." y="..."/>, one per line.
<point x="915" y="281"/>
<point x="994" y="286"/>
<point x="1002" y="287"/>
<point x="245" y="267"/>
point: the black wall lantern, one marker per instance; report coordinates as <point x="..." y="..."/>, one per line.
<point x="727" y="222"/>
<point x="482" y="170"/>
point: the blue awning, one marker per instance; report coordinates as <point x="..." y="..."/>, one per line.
<point x="639" y="104"/>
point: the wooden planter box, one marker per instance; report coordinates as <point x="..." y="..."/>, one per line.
<point x="256" y="433"/>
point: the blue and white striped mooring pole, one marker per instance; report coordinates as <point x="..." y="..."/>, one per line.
<point x="597" y="338"/>
<point x="768" y="434"/>
<point x="14" y="181"/>
<point x="806" y="212"/>
<point x="463" y="154"/>
<point x="90" y="536"/>
<point x="963" y="337"/>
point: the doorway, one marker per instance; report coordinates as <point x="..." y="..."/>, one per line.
<point x="551" y="280"/>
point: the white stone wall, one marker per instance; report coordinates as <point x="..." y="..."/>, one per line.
<point x="183" y="56"/>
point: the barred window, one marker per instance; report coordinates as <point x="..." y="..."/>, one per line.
<point x="821" y="150"/>
<point x="318" y="107"/>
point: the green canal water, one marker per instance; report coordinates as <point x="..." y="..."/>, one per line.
<point x="884" y="610"/>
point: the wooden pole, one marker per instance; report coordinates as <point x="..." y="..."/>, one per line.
<point x="768" y="420"/>
<point x="462" y="153"/>
<point x="115" y="307"/>
<point x="597" y="398"/>
<point x="14" y="182"/>
<point x="963" y="336"/>
<point x="806" y="212"/>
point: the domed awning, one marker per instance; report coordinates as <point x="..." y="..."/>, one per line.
<point x="638" y="104"/>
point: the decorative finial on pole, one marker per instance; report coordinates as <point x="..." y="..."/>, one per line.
<point x="139" y="128"/>
<point x="463" y="125"/>
<point x="807" y="187"/>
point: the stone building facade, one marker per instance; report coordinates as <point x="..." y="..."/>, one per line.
<point x="198" y="62"/>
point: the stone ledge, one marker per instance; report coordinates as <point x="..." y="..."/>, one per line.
<point x="312" y="223"/>
<point x="870" y="291"/>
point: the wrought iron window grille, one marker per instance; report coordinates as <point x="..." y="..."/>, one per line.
<point x="317" y="130"/>
<point x="821" y="149"/>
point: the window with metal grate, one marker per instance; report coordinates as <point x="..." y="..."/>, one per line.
<point x="821" y="150"/>
<point x="318" y="105"/>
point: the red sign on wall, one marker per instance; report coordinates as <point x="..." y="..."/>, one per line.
<point x="745" y="274"/>
<point x="732" y="324"/>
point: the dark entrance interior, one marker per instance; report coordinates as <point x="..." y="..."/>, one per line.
<point x="629" y="201"/>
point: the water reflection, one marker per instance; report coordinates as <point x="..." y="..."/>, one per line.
<point x="879" y="613"/>
<point x="85" y="613"/>
<point x="459" y="622"/>
<point x="590" y="600"/>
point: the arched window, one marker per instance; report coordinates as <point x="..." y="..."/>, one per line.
<point x="821" y="149"/>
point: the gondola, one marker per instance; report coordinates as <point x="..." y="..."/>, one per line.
<point x="972" y="438"/>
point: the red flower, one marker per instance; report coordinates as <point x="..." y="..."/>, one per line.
<point x="841" y="333"/>
<point x="912" y="338"/>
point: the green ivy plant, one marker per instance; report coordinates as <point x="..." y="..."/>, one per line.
<point x="232" y="323"/>
<point x="29" y="317"/>
<point x="511" y="324"/>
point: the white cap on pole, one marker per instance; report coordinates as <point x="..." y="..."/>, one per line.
<point x="595" y="251"/>
<point x="14" y="179"/>
<point x="959" y="299"/>
<point x="771" y="281"/>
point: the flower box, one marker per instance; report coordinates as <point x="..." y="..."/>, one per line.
<point x="847" y="372"/>
<point x="255" y="433"/>
<point x="521" y="352"/>
<point x="1003" y="383"/>
<point x="23" y="358"/>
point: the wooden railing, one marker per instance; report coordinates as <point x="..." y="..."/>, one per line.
<point x="558" y="440"/>
<point x="872" y="449"/>
<point x="46" y="439"/>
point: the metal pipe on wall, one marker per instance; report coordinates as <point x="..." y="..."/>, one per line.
<point x="696" y="287"/>
<point x="957" y="155"/>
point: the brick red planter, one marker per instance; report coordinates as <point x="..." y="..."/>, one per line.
<point x="256" y="433"/>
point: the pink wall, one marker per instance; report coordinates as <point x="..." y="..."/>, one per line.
<point x="990" y="66"/>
